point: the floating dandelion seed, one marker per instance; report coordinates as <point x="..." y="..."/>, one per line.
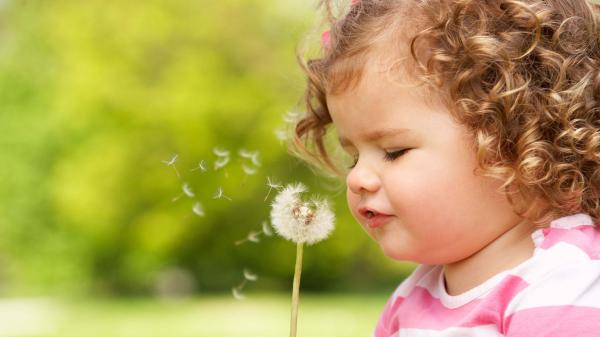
<point x="237" y="293"/>
<point x="201" y="166"/>
<point x="221" y="162"/>
<point x="272" y="185"/>
<point x="219" y="152"/>
<point x="250" y="276"/>
<point x="252" y="156"/>
<point x="198" y="209"/>
<point x="281" y="135"/>
<point x="248" y="170"/>
<point x="266" y="229"/>
<point x="291" y="117"/>
<point x="253" y="236"/>
<point x="220" y="194"/>
<point x="187" y="190"/>
<point x="171" y="162"/>
<point x="245" y="153"/>
<point x="301" y="222"/>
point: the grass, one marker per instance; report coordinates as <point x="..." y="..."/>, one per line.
<point x="259" y="315"/>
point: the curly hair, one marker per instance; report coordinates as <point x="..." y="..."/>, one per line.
<point x="522" y="75"/>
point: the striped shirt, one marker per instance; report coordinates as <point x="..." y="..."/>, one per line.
<point x="555" y="293"/>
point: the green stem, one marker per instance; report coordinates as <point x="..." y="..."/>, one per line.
<point x="296" y="290"/>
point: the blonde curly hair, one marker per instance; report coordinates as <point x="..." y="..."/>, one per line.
<point x="522" y="75"/>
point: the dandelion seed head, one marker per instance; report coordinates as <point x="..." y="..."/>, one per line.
<point x="301" y="221"/>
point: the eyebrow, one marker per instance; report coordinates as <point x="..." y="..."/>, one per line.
<point x="378" y="134"/>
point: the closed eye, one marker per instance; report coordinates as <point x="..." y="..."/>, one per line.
<point x="393" y="155"/>
<point x="389" y="156"/>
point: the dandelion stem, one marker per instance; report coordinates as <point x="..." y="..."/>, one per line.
<point x="296" y="290"/>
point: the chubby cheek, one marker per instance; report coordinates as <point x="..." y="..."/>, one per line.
<point x="353" y="203"/>
<point x="353" y="199"/>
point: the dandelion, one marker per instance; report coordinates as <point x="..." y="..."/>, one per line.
<point x="272" y="185"/>
<point x="301" y="222"/>
<point x="171" y="162"/>
<point x="198" y="209"/>
<point x="220" y="194"/>
<point x="221" y="162"/>
<point x="201" y="166"/>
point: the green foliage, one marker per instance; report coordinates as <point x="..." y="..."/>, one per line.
<point x="95" y="95"/>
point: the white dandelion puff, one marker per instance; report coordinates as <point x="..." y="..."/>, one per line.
<point x="301" y="221"/>
<point x="248" y="170"/>
<point x="250" y="276"/>
<point x="266" y="229"/>
<point x="171" y="162"/>
<point x="187" y="190"/>
<point x="201" y="166"/>
<point x="219" y="152"/>
<point x="221" y="162"/>
<point x="198" y="209"/>
<point x="237" y="294"/>
<point x="219" y="194"/>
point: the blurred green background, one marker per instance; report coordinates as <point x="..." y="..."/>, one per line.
<point x="96" y="97"/>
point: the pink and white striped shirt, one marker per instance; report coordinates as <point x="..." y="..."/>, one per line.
<point x="555" y="293"/>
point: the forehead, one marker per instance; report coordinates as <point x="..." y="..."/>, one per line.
<point x="384" y="102"/>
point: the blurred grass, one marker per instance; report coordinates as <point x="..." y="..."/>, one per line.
<point x="264" y="315"/>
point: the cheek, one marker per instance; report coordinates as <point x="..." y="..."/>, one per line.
<point x="353" y="199"/>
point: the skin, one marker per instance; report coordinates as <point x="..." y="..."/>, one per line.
<point x="440" y="211"/>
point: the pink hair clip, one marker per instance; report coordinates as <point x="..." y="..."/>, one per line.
<point x="325" y="36"/>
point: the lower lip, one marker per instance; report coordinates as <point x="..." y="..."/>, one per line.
<point x="378" y="220"/>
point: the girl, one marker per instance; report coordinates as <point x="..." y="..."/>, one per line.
<point x="475" y="131"/>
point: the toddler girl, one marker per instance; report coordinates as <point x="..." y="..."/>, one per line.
<point x="475" y="131"/>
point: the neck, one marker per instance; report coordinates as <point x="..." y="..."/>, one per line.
<point x="507" y="251"/>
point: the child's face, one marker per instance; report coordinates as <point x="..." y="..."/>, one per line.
<point x="432" y="208"/>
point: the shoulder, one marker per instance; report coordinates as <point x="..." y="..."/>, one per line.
<point x="561" y="283"/>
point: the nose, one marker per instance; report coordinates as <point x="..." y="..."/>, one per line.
<point x="362" y="179"/>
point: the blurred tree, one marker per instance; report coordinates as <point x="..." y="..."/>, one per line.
<point x="95" y="95"/>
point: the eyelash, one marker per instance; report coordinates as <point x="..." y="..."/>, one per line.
<point x="389" y="156"/>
